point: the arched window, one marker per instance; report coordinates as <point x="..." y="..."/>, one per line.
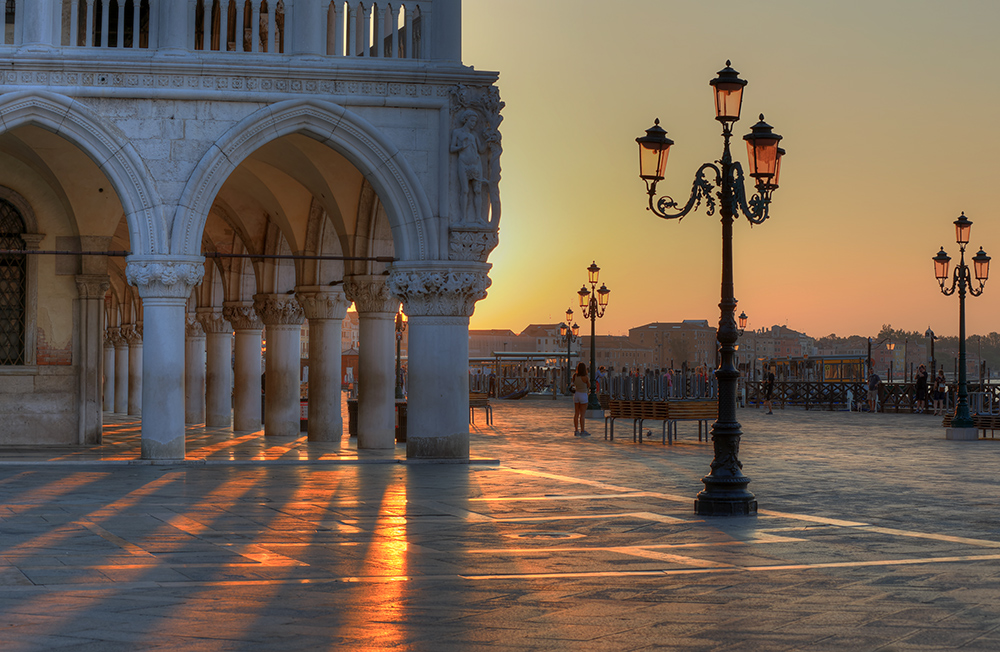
<point x="13" y="286"/>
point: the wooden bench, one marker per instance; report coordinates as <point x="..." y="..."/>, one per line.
<point x="480" y="400"/>
<point x="651" y="411"/>
<point x="617" y="410"/>
<point x="698" y="410"/>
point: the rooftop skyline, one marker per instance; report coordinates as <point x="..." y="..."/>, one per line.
<point x="884" y="110"/>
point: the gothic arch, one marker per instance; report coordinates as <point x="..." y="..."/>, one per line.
<point x="414" y="229"/>
<point x="112" y="154"/>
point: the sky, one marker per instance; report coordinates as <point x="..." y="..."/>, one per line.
<point x="885" y="107"/>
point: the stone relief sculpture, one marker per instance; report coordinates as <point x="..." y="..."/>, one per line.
<point x="476" y="147"/>
<point x="470" y="149"/>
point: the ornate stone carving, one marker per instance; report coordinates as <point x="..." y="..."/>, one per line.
<point x="131" y="334"/>
<point x="114" y="337"/>
<point x="156" y="279"/>
<point x="440" y="291"/>
<point x="192" y="329"/>
<point x="370" y="293"/>
<point x="242" y="316"/>
<point x="471" y="244"/>
<point x="213" y="321"/>
<point x="278" y="309"/>
<point x="92" y="286"/>
<point x="323" y="303"/>
<point x="476" y="145"/>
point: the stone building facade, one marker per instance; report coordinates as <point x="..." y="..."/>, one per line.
<point x="248" y="166"/>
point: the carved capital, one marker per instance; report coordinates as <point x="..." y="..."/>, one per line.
<point x="92" y="286"/>
<point x="471" y="244"/>
<point x="131" y="334"/>
<point x="242" y="316"/>
<point x="323" y="302"/>
<point x="370" y="293"/>
<point x="440" y="290"/>
<point x="192" y="329"/>
<point x="278" y="309"/>
<point x="164" y="278"/>
<point x="113" y="337"/>
<point x="212" y="321"/>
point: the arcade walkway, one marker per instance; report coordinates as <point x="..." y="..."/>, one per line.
<point x="875" y="533"/>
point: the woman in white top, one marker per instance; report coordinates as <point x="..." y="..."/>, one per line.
<point x="581" y="384"/>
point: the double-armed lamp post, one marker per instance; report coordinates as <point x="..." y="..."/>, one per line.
<point x="962" y="425"/>
<point x="725" y="490"/>
<point x="592" y="303"/>
<point x="570" y="334"/>
<point x="400" y="329"/>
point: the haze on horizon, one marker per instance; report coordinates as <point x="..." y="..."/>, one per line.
<point x="886" y="111"/>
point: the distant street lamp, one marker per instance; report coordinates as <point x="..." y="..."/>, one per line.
<point x="592" y="303"/>
<point x="400" y="328"/>
<point x="725" y="490"/>
<point x="930" y="335"/>
<point x="962" y="280"/>
<point x="571" y="334"/>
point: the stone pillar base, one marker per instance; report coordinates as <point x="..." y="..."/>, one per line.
<point x="438" y="447"/>
<point x="961" y="434"/>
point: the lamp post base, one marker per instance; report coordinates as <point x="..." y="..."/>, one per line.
<point x="741" y="503"/>
<point x="962" y="434"/>
<point x="594" y="414"/>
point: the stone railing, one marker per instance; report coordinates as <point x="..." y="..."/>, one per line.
<point x="403" y="29"/>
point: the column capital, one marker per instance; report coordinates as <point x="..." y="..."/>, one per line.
<point x="370" y="293"/>
<point x="165" y="278"/>
<point x="132" y="334"/>
<point x="192" y="329"/>
<point x="278" y="309"/>
<point x="213" y="320"/>
<point x="92" y="286"/>
<point x="436" y="289"/>
<point x="242" y="316"/>
<point x="112" y="336"/>
<point x="322" y="301"/>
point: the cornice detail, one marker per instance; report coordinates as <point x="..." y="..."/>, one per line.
<point x="278" y="309"/>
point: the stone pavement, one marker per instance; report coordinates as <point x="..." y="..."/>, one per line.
<point x="874" y="534"/>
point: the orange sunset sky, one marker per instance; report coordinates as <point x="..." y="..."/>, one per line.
<point x="888" y="110"/>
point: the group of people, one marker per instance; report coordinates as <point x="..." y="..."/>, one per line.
<point x="938" y="391"/>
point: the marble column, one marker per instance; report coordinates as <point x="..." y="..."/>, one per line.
<point x="282" y="317"/>
<point x="439" y="298"/>
<point x="376" y="362"/>
<point x="121" y="371"/>
<point x="109" y="369"/>
<point x="164" y="285"/>
<point x="194" y="370"/>
<point x="246" y="366"/>
<point x="134" y="338"/>
<point x="91" y="289"/>
<point x="325" y="308"/>
<point x="218" y="372"/>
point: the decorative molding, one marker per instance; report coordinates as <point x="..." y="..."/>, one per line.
<point x="468" y="244"/>
<point x="164" y="279"/>
<point x="242" y="316"/>
<point x="213" y="321"/>
<point x="278" y="309"/>
<point x="370" y="293"/>
<point x="192" y="328"/>
<point x="323" y="303"/>
<point x="92" y="286"/>
<point x="440" y="291"/>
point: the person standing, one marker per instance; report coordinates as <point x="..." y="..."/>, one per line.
<point x="768" y="390"/>
<point x="581" y="385"/>
<point x="873" y="384"/>
<point x="938" y="390"/>
<point x="921" y="389"/>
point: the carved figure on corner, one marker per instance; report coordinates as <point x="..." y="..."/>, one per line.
<point x="469" y="148"/>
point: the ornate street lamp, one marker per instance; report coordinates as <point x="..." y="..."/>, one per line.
<point x="571" y="334"/>
<point x="592" y="303"/>
<point x="962" y="281"/>
<point x="400" y="328"/>
<point x="726" y="490"/>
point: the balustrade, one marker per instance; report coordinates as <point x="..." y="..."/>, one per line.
<point x="338" y="28"/>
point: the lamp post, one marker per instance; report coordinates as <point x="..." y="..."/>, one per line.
<point x="592" y="303"/>
<point x="890" y="346"/>
<point x="571" y="334"/>
<point x="742" y="319"/>
<point x="400" y="328"/>
<point x="725" y="490"/>
<point x="962" y="425"/>
<point x="931" y="336"/>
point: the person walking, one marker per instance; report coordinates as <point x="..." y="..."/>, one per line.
<point x="768" y="390"/>
<point x="581" y="385"/>
<point x="921" y="389"/>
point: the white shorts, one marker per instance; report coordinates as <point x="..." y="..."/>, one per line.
<point x="580" y="397"/>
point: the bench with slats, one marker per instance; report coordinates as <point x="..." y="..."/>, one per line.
<point x="480" y="400"/>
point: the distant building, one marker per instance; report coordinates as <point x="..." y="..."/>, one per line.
<point x="617" y="352"/>
<point x="484" y="342"/>
<point x="692" y="341"/>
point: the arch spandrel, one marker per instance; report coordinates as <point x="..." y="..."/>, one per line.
<point x="112" y="153"/>
<point x="413" y="226"/>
